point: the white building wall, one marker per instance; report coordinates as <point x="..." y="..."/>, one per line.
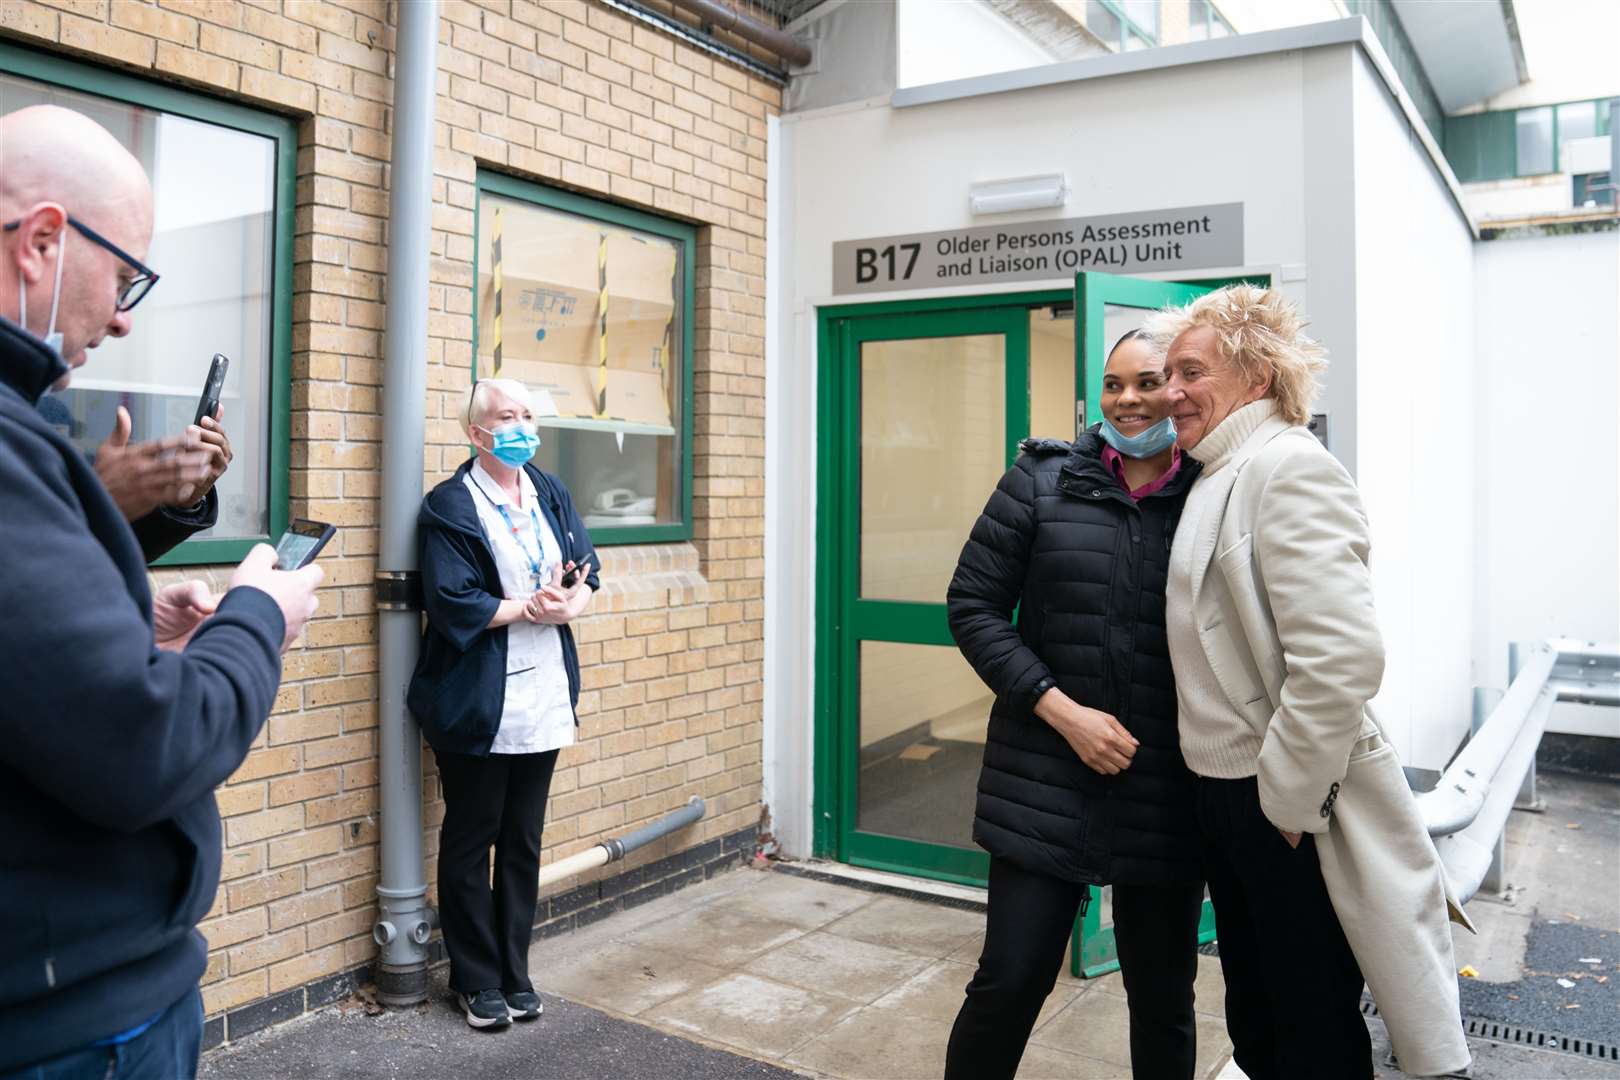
<point x="940" y="41"/>
<point x="1547" y="381"/>
<point x="1414" y="340"/>
<point x="1269" y="131"/>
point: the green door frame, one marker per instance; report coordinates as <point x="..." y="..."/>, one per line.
<point x="842" y="618"/>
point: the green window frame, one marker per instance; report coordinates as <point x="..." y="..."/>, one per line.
<point x="1129" y="28"/>
<point x="684" y="237"/>
<point x="1484" y="146"/>
<point x="160" y="97"/>
<point x="1212" y="19"/>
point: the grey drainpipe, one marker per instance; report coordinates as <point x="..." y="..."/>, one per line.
<point x="404" y="921"/>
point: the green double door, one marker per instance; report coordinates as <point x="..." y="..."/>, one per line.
<point x="922" y="407"/>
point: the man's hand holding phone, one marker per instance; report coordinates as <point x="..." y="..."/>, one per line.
<point x="563" y="598"/>
<point x="292" y="590"/>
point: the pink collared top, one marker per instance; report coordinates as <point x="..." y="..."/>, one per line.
<point x="1116" y="465"/>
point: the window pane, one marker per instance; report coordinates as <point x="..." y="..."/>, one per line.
<point x="1144" y="13"/>
<point x="924" y="714"/>
<point x="933" y="445"/>
<point x="1103" y="22"/>
<point x="213" y="244"/>
<point x="1197" y="20"/>
<point x="1577" y="121"/>
<point x="1533" y="135"/>
<point x="608" y="392"/>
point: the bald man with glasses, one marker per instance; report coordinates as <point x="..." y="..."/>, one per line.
<point x="123" y="710"/>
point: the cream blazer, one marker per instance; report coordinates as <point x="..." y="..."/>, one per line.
<point x="1284" y="606"/>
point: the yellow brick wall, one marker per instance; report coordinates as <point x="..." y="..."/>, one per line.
<point x="564" y="92"/>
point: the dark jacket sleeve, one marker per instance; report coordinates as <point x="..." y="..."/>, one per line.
<point x="165" y="528"/>
<point x="986" y="587"/>
<point x="99" y="719"/>
<point x="453" y="590"/>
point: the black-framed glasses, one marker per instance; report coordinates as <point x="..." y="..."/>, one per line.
<point x="134" y="290"/>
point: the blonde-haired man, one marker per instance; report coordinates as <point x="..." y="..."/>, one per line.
<point x="1313" y="844"/>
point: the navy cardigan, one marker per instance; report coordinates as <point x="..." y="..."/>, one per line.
<point x="459" y="687"/>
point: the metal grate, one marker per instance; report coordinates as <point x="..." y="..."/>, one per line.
<point x="1513" y="1034"/>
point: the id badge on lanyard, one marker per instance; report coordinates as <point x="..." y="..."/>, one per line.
<point x="537" y="562"/>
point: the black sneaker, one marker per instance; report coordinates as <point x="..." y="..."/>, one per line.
<point x="524" y="1005"/>
<point x="485" y="1009"/>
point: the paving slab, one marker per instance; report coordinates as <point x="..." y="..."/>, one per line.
<point x="871" y="1043"/>
<point x="756" y="1015"/>
<point x="840" y="966"/>
<point x="717" y="935"/>
<point x="804" y="902"/>
<point x="625" y="977"/>
<point x="910" y="926"/>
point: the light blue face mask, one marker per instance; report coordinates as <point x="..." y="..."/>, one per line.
<point x="1155" y="440"/>
<point x="53" y="336"/>
<point x="514" y="443"/>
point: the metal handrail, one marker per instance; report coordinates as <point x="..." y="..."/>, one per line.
<point x="1468" y="809"/>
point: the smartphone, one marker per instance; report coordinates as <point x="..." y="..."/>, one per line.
<point x="572" y="577"/>
<point x="208" y="404"/>
<point x="301" y="542"/>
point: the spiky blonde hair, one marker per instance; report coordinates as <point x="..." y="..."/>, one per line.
<point x="1258" y="332"/>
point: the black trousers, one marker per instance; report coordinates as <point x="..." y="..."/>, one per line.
<point x="1026" y="931"/>
<point x="1293" y="989"/>
<point x="497" y="799"/>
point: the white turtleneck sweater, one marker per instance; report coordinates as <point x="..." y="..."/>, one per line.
<point x="1216" y="740"/>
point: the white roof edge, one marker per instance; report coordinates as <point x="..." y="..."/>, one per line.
<point x="1354" y="30"/>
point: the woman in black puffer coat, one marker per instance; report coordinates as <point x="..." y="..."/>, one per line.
<point x="1083" y="781"/>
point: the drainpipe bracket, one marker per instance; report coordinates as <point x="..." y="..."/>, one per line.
<point x="398" y="590"/>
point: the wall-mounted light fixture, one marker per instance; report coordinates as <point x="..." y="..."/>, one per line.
<point x="1021" y="193"/>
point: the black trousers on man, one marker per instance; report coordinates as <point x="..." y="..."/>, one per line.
<point x="497" y="799"/>
<point x="1293" y="988"/>
<point x="1026" y="931"/>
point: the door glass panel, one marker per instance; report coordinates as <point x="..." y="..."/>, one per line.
<point x="923" y="716"/>
<point x="933" y="445"/>
<point x="1051" y="372"/>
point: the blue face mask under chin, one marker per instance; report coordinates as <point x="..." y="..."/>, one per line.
<point x="513" y="444"/>
<point x="1155" y="440"/>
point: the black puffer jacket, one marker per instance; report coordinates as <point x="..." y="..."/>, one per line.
<point x="1086" y="568"/>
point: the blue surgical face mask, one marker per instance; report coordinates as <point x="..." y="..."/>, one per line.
<point x="52" y="337"/>
<point x="1155" y="440"/>
<point x="514" y="443"/>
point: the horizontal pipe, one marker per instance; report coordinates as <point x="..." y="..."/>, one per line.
<point x="725" y="17"/>
<point x="578" y="863"/>
<point x="1467" y="854"/>
<point x="672" y="26"/>
<point x="1466" y="784"/>
<point x="612" y="850"/>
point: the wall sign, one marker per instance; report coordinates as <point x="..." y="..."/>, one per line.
<point x="1185" y="238"/>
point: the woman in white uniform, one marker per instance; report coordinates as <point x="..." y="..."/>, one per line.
<point x="506" y="566"/>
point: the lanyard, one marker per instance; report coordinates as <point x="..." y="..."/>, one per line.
<point x="537" y="566"/>
<point x="537" y="560"/>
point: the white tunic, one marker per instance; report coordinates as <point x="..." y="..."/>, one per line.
<point x="537" y="714"/>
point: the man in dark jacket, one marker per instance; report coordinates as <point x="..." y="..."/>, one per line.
<point x="121" y="714"/>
